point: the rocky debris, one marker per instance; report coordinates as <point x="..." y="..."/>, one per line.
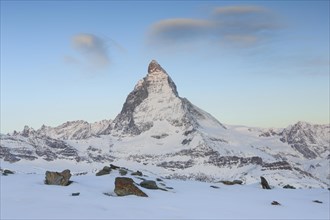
<point x="125" y="186"/>
<point x="317" y="201"/>
<point x="287" y="186"/>
<point x="75" y="194"/>
<point x="80" y="174"/>
<point x="275" y="203"/>
<point x="149" y="184"/>
<point x="159" y="136"/>
<point x="264" y="183"/>
<point x="56" y="178"/>
<point x="122" y="172"/>
<point x="215" y="187"/>
<point x="106" y="170"/>
<point x="159" y="180"/>
<point x="114" y="167"/>
<point x="5" y="172"/>
<point x="137" y="173"/>
<point x="227" y="182"/>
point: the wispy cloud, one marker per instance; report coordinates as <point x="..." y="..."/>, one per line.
<point x="93" y="48"/>
<point x="235" y="25"/>
<point x="240" y="9"/>
<point x="179" y="29"/>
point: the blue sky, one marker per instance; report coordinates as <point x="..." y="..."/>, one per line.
<point x="261" y="63"/>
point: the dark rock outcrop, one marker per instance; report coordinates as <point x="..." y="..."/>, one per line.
<point x="125" y="186"/>
<point x="264" y="183"/>
<point x="56" y="178"/>
<point x="275" y="203"/>
<point x="137" y="173"/>
<point x="287" y="186"/>
<point x="106" y="170"/>
<point x="227" y="182"/>
<point x="149" y="184"/>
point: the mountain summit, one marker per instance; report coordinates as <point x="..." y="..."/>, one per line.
<point x="155" y="101"/>
<point x="160" y="131"/>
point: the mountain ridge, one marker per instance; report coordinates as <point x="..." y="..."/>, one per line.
<point x="158" y="128"/>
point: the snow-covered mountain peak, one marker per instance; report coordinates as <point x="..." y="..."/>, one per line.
<point x="155" y="102"/>
<point x="154" y="67"/>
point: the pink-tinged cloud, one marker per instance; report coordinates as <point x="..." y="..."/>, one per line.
<point x="237" y="25"/>
<point x="93" y="48"/>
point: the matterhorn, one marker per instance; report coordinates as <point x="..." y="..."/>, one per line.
<point x="162" y="132"/>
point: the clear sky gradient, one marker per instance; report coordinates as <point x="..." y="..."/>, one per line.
<point x="261" y="63"/>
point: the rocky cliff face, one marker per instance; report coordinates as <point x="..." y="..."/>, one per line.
<point x="155" y="98"/>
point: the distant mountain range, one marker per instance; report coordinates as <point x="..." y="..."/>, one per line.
<point x="167" y="133"/>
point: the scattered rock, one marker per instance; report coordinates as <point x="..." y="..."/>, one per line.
<point x="137" y="173"/>
<point x="239" y="182"/>
<point x="125" y="186"/>
<point x="264" y="183"/>
<point x="226" y="182"/>
<point x="106" y="170"/>
<point x="149" y="184"/>
<point x="122" y="172"/>
<point x="80" y="174"/>
<point x="6" y="172"/>
<point x="75" y="194"/>
<point x="215" y="187"/>
<point x="114" y="167"/>
<point x="287" y="186"/>
<point x="56" y="178"/>
<point x="275" y="203"/>
<point x="317" y="201"/>
<point x="159" y="180"/>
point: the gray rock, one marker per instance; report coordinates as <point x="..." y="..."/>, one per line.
<point x="75" y="194"/>
<point x="264" y="183"/>
<point x="275" y="203"/>
<point x="137" y="173"/>
<point x="149" y="184"/>
<point x="56" y="178"/>
<point x="106" y="170"/>
<point x="122" y="172"/>
<point x="289" y="187"/>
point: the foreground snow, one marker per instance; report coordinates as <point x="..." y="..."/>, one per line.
<point x="25" y="196"/>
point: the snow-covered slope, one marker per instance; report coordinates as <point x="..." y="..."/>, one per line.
<point x="165" y="132"/>
<point x="25" y="196"/>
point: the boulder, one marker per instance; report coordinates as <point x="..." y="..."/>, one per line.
<point x="114" y="167"/>
<point x="264" y="183"/>
<point x="239" y="182"/>
<point x="317" y="201"/>
<point x="275" y="203"/>
<point x="137" y="173"/>
<point x="149" y="184"/>
<point x="6" y="172"/>
<point x="125" y="186"/>
<point x="56" y="178"/>
<point x="106" y="170"/>
<point x="75" y="194"/>
<point x="227" y="182"/>
<point x="122" y="172"/>
<point x="215" y="187"/>
<point x="287" y="186"/>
